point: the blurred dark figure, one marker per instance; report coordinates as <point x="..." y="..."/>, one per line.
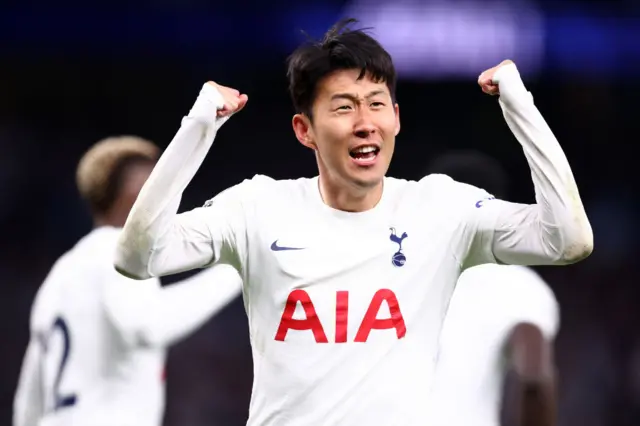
<point x="529" y="395"/>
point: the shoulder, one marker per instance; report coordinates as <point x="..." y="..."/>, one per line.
<point x="270" y="185"/>
<point x="439" y="188"/>
<point x="453" y="191"/>
<point x="261" y="187"/>
<point x="437" y="193"/>
<point x="50" y="294"/>
<point x="266" y="184"/>
<point x="86" y="264"/>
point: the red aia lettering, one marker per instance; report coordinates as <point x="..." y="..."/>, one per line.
<point x="369" y="322"/>
<point x="311" y="322"/>
<point x="342" y="316"/>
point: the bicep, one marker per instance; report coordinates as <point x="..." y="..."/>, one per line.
<point x="521" y="238"/>
<point x="200" y="237"/>
<point x="512" y="234"/>
<point x="186" y="244"/>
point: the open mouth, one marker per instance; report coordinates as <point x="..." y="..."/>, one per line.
<point x="365" y="155"/>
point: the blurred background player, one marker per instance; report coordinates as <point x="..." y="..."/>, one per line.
<point x="97" y="349"/>
<point x="501" y="323"/>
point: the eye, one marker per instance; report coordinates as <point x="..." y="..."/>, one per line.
<point x="344" y="107"/>
<point x="377" y="104"/>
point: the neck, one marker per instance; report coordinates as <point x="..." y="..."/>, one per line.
<point x="349" y="198"/>
<point x="111" y="219"/>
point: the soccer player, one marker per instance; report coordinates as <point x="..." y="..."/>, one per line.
<point x="98" y="342"/>
<point x="501" y="323"/>
<point x="347" y="275"/>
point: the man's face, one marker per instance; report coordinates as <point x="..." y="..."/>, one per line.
<point x="355" y="123"/>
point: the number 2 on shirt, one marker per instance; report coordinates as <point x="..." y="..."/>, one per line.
<point x="59" y="400"/>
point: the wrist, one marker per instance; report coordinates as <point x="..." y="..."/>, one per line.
<point x="512" y="88"/>
<point x="207" y="105"/>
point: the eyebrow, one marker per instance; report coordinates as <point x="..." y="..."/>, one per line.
<point x="354" y="98"/>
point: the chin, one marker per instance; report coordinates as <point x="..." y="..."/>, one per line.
<point x="367" y="180"/>
<point x="366" y="177"/>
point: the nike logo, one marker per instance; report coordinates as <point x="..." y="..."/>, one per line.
<point x="276" y="247"/>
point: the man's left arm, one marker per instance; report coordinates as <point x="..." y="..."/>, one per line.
<point x="152" y="316"/>
<point x="28" y="402"/>
<point x="554" y="230"/>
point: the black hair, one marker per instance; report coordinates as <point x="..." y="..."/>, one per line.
<point x="473" y="168"/>
<point x="340" y="49"/>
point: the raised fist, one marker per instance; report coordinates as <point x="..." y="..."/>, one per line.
<point x="233" y="100"/>
<point x="486" y="79"/>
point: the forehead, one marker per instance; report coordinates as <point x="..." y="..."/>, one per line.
<point x="346" y="81"/>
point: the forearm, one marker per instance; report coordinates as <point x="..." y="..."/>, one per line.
<point x="527" y="403"/>
<point x="155" y="241"/>
<point x="538" y="406"/>
<point x="27" y="404"/>
<point x="558" y="217"/>
<point x="181" y="308"/>
<point x="532" y="373"/>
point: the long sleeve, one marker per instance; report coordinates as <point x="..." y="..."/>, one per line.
<point x="156" y="240"/>
<point x="554" y="230"/>
<point x="154" y="316"/>
<point x="28" y="404"/>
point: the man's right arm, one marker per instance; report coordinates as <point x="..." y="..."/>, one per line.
<point x="155" y="240"/>
<point x="531" y="384"/>
<point x="150" y="316"/>
<point x="528" y="349"/>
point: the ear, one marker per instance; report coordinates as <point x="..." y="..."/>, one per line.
<point x="304" y="130"/>
<point x="397" y="111"/>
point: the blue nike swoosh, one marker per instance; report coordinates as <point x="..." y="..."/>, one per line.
<point x="276" y="247"/>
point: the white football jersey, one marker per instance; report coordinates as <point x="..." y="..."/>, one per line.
<point x="487" y="303"/>
<point x="345" y="309"/>
<point x="97" y="350"/>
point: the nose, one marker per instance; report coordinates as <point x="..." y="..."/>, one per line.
<point x="364" y="125"/>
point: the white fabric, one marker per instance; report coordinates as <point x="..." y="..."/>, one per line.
<point x="337" y="372"/>
<point x="488" y="302"/>
<point x="117" y="330"/>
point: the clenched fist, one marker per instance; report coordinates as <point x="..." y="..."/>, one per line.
<point x="234" y="101"/>
<point x="486" y="81"/>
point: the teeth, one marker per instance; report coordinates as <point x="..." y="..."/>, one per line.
<point x="365" y="149"/>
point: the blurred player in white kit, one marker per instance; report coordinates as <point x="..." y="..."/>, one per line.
<point x="347" y="275"/>
<point x="501" y="323"/>
<point x="98" y="341"/>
